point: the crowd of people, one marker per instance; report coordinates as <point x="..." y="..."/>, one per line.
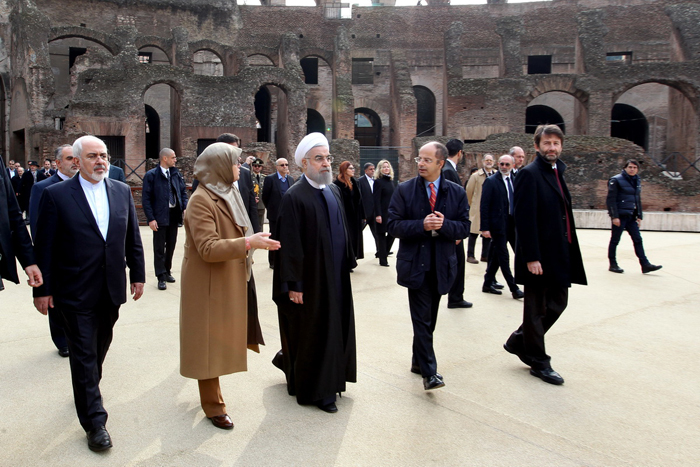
<point x="313" y="243"/>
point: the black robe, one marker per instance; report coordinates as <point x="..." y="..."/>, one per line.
<point x="318" y="336"/>
<point x="355" y="213"/>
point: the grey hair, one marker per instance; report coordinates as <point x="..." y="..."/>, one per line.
<point x="58" y="153"/>
<point x="512" y="150"/>
<point x="78" y="144"/>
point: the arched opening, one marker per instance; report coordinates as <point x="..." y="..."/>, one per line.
<point x="206" y="62"/>
<point x="536" y="115"/>
<point x="670" y="120"/>
<point x="318" y="76"/>
<point x="162" y="119"/>
<point x="152" y="126"/>
<point x="368" y="127"/>
<point x="71" y="55"/>
<point x="425" y="111"/>
<point x="629" y="123"/>
<point x="260" y="60"/>
<point x="153" y="55"/>
<point x="263" y="114"/>
<point x="315" y="122"/>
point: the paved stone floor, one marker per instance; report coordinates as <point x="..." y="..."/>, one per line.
<point x="626" y="345"/>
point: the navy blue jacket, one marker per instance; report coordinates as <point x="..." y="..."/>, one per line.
<point x="75" y="260"/>
<point x="408" y="208"/>
<point x="624" y="195"/>
<point x="156" y="193"/>
<point x="494" y="205"/>
<point x="34" y="199"/>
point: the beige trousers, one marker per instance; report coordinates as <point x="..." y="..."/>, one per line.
<point x="211" y="398"/>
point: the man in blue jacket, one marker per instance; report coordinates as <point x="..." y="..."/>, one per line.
<point x="429" y="214"/>
<point x="625" y="208"/>
<point x="164" y="202"/>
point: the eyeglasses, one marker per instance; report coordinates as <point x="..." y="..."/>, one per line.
<point x="419" y="159"/>
<point x="504" y="164"/>
<point x="282" y="165"/>
<point x="321" y="158"/>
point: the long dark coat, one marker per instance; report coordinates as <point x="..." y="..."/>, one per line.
<point x="318" y="336"/>
<point x="540" y="226"/>
<point x="14" y="238"/>
<point x="354" y="212"/>
<point x="383" y="190"/>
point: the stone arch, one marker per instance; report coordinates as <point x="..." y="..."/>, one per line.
<point x="107" y="41"/>
<point x="271" y="59"/>
<point x="325" y="55"/>
<point x="164" y="96"/>
<point x="204" y="63"/>
<point x="426" y="111"/>
<point x="320" y="96"/>
<point x="687" y="89"/>
<point x="165" y="45"/>
<point x="368" y="127"/>
<point x="567" y="85"/>
<point x="221" y="51"/>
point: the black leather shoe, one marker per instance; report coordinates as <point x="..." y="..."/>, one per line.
<point x="162" y="285"/>
<point x="650" y="268"/>
<point x="169" y="278"/>
<point x="99" y="439"/>
<point x="278" y="360"/>
<point x="416" y="369"/>
<point x="329" y="408"/>
<point x="523" y="358"/>
<point x="618" y="269"/>
<point x="433" y="382"/>
<point x="491" y="289"/>
<point x="386" y="265"/>
<point x="548" y="376"/>
<point x="222" y="421"/>
<point x="484" y="259"/>
<point x="517" y="293"/>
<point x="64" y="352"/>
<point x="462" y="304"/>
<point x="497" y="285"/>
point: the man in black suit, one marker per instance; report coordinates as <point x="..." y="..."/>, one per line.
<point x="164" y="202"/>
<point x="17" y="184"/>
<point x="14" y="238"/>
<point x="366" y="183"/>
<point x="455" y="299"/>
<point x="497" y="223"/>
<point x="11" y="168"/>
<point x="29" y="178"/>
<point x="67" y="167"/>
<point x="46" y="172"/>
<point x="518" y="155"/>
<point x="87" y="231"/>
<point x="547" y="257"/>
<point x="429" y="214"/>
<point x="275" y="186"/>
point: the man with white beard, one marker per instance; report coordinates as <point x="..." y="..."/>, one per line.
<point x="311" y="284"/>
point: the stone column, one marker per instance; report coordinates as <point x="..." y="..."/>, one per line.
<point x="343" y="100"/>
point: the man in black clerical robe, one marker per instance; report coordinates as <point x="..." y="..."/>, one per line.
<point x="311" y="284"/>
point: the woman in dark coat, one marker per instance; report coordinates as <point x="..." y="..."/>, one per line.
<point x="383" y="189"/>
<point x="352" y="201"/>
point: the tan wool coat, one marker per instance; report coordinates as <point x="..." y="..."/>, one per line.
<point x="476" y="181"/>
<point x="213" y="301"/>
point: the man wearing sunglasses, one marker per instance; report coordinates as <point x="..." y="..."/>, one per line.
<point x="274" y="188"/>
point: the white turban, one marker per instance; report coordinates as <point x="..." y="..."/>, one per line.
<point x="309" y="142"/>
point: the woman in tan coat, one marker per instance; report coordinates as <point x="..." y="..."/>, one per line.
<point x="215" y="268"/>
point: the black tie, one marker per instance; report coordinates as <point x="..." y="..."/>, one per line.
<point x="509" y="184"/>
<point x="171" y="189"/>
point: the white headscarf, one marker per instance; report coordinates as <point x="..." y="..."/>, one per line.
<point x="310" y="141"/>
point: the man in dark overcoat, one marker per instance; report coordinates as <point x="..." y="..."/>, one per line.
<point x="274" y="188"/>
<point x="428" y="214"/>
<point x="311" y="282"/>
<point x="547" y="258"/>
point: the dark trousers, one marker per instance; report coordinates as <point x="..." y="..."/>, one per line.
<point x="541" y="308"/>
<point x="58" y="335"/>
<point x="89" y="334"/>
<point x="485" y="244"/>
<point x="628" y="223"/>
<point x="164" y="240"/>
<point x="424" y="303"/>
<point x="273" y="230"/>
<point x="384" y="243"/>
<point x="261" y="218"/>
<point x="499" y="258"/>
<point x="372" y="224"/>
<point x="456" y="293"/>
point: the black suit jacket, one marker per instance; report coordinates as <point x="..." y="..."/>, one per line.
<point x="409" y="207"/>
<point x="450" y="173"/>
<point x="156" y="195"/>
<point x="272" y="195"/>
<point x="245" y="186"/>
<point x="367" y="198"/>
<point x="26" y="188"/>
<point x="540" y="227"/>
<point x="14" y="238"/>
<point x="117" y="173"/>
<point x="74" y="258"/>
<point x="494" y="205"/>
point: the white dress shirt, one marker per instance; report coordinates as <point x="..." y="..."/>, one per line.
<point x="96" y="194"/>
